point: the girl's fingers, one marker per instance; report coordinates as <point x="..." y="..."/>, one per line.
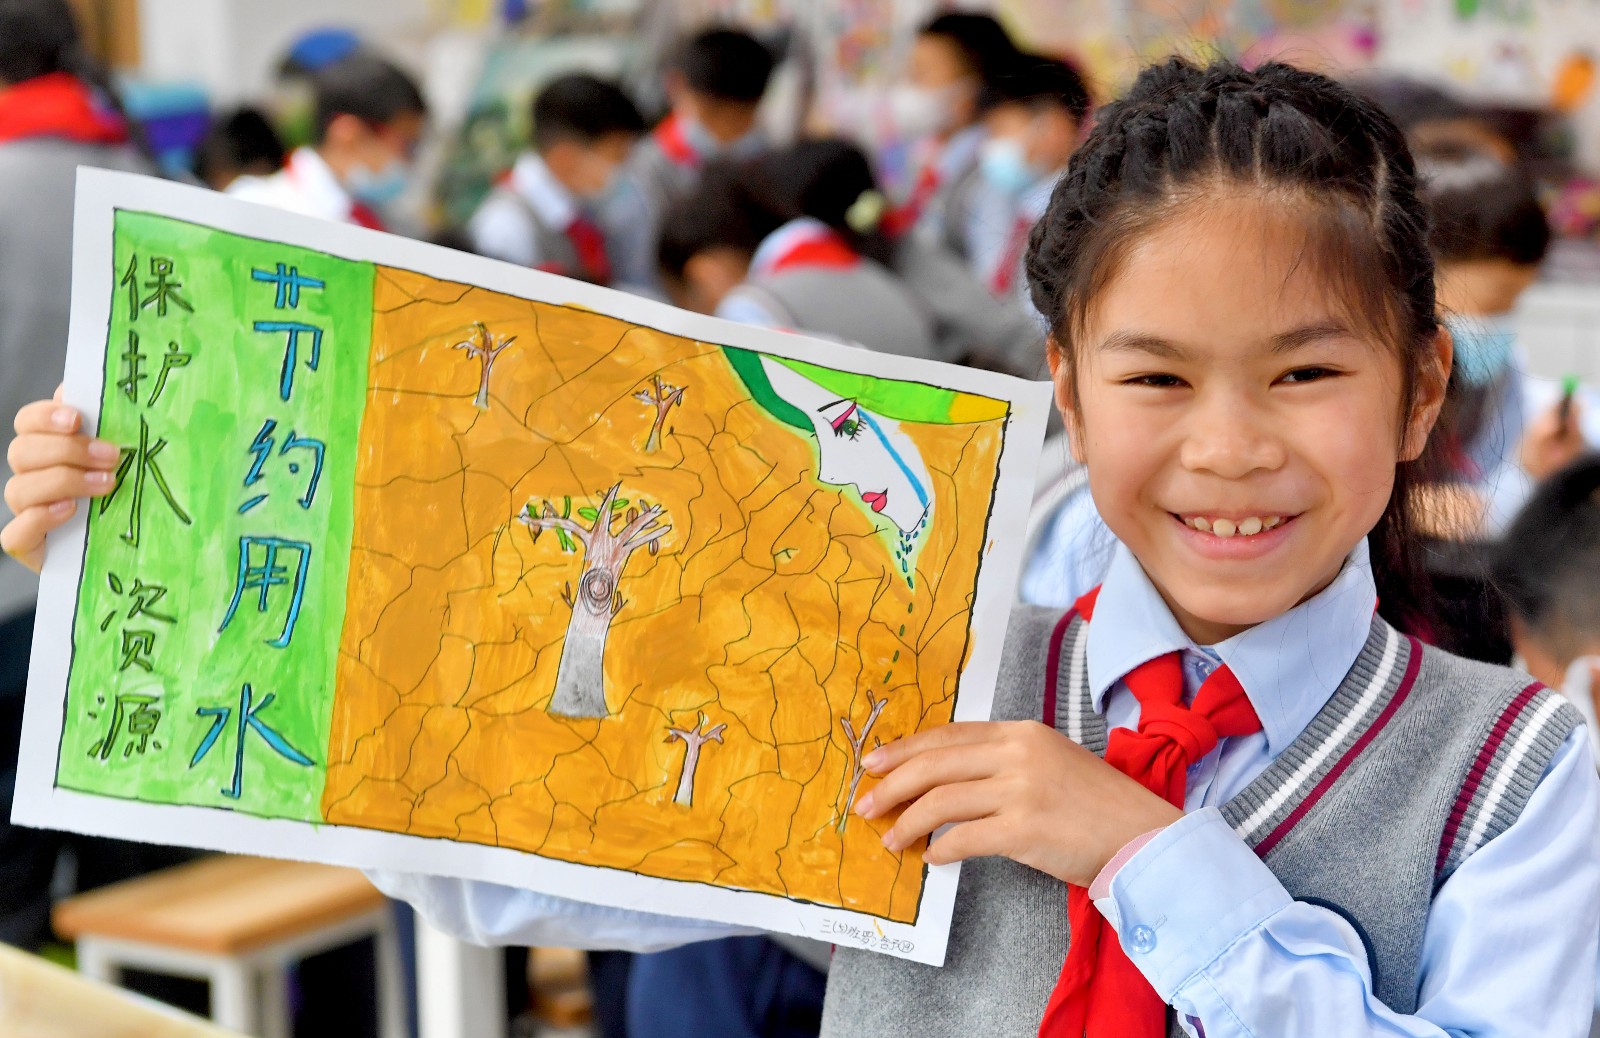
<point x="886" y="758"/>
<point x="23" y="537"/>
<point x="960" y="802"/>
<point x="983" y="838"/>
<point x="34" y="451"/>
<point x="47" y="416"/>
<point x="57" y="483"/>
<point x="925" y="771"/>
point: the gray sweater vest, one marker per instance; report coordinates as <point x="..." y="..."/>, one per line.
<point x="1417" y="760"/>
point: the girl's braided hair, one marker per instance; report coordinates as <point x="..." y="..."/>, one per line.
<point x="1332" y="161"/>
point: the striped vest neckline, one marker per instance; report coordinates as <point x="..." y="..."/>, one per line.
<point x="1369" y="697"/>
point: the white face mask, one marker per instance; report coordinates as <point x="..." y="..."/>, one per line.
<point x="923" y="111"/>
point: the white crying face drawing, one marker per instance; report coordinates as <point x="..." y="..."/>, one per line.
<point x="860" y="449"/>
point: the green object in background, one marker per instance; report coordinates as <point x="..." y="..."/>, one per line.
<point x="260" y="345"/>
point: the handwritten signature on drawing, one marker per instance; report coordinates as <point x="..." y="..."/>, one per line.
<point x="843" y="932"/>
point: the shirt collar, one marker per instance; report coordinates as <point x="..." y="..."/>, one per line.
<point x="551" y="199"/>
<point x="1036" y="199"/>
<point x="777" y="244"/>
<point x="1289" y="666"/>
<point x="315" y="181"/>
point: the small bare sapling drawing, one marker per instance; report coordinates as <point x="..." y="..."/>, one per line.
<point x="693" y="739"/>
<point x="580" y="680"/>
<point x="484" y="347"/>
<point x="663" y="398"/>
<point x="857" y="742"/>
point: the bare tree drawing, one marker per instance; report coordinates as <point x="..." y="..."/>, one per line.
<point x="693" y="739"/>
<point x="580" y="680"/>
<point x="485" y="347"/>
<point x="663" y="398"/>
<point x="857" y="742"/>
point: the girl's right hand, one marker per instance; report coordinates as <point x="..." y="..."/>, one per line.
<point x="52" y="465"/>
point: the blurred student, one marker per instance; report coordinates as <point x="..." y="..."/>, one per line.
<point x="739" y="249"/>
<point x="1489" y="236"/>
<point x="1034" y="121"/>
<point x="714" y="84"/>
<point x="544" y="212"/>
<point x="1548" y="567"/>
<point x="939" y="107"/>
<point x="241" y="144"/>
<point x="369" y="117"/>
<point x="832" y="181"/>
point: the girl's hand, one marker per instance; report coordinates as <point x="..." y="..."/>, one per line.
<point x="52" y="463"/>
<point x="1012" y="788"/>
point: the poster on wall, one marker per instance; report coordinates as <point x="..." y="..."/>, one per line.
<point x="425" y="562"/>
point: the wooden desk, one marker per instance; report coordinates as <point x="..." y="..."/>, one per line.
<point x="238" y="923"/>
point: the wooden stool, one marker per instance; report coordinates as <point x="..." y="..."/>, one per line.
<point x="238" y="923"/>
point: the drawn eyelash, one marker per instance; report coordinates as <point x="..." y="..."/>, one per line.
<point x="847" y="424"/>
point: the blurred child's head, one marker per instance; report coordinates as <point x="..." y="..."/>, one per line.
<point x="708" y="236"/>
<point x="1034" y="118"/>
<point x="1243" y="335"/>
<point x="1489" y="232"/>
<point x="241" y="144"/>
<point x="583" y="128"/>
<point x="716" y="84"/>
<point x="953" y="58"/>
<point x="369" y="117"/>
<point x="1548" y="569"/>
<point x="37" y="37"/>
<point x="829" y="180"/>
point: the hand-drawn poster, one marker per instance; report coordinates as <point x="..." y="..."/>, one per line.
<point x="425" y="562"/>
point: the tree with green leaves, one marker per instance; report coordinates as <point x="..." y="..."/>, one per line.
<point x="606" y="546"/>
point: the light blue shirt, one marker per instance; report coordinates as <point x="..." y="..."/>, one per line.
<point x="1513" y="936"/>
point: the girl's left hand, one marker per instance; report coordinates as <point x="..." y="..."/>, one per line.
<point x="1013" y="788"/>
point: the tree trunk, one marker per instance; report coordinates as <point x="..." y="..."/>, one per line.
<point x="691" y="760"/>
<point x="580" y="680"/>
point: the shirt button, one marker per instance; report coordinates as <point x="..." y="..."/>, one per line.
<point x="1142" y="939"/>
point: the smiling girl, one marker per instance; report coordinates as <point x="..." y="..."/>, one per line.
<point x="1221" y="783"/>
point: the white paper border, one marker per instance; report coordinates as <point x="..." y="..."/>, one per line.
<point x="40" y="804"/>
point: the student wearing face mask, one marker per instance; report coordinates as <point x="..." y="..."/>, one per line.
<point x="714" y="85"/>
<point x="369" y="117"/>
<point x="1035" y="119"/>
<point x="544" y="213"/>
<point x="939" y="109"/>
<point x="1489" y="236"/>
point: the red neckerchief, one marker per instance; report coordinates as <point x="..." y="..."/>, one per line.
<point x="57" y="105"/>
<point x="670" y="138"/>
<point x="1005" y="274"/>
<point x="810" y="246"/>
<point x="903" y="217"/>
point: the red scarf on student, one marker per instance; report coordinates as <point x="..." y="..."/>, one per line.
<point x="57" y="105"/>
<point x="805" y="244"/>
<point x="1101" y="994"/>
<point x="674" y="143"/>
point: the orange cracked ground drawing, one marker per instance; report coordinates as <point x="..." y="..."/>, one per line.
<point x="674" y="592"/>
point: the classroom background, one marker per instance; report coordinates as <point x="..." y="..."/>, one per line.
<point x="272" y="950"/>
